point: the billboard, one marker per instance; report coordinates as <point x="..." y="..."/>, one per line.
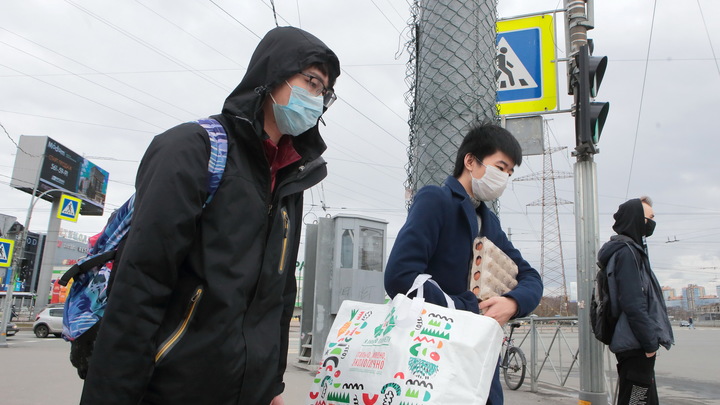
<point x="45" y="164"/>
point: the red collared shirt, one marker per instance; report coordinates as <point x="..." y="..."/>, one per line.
<point x="281" y="155"/>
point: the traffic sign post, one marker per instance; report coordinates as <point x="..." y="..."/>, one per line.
<point x="527" y="75"/>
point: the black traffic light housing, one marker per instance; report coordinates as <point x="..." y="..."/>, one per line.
<point x="589" y="115"/>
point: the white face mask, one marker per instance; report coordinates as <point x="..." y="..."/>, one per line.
<point x="490" y="186"/>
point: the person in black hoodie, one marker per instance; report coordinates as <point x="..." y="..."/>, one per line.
<point x="203" y="296"/>
<point x="643" y="324"/>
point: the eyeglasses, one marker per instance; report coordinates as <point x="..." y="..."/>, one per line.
<point x="317" y="88"/>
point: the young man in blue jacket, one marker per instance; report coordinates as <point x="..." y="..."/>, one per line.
<point x="444" y="221"/>
<point x="643" y="325"/>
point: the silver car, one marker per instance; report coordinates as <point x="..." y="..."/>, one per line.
<point x="49" y="321"/>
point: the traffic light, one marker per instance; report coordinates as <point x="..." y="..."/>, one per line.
<point x="589" y="115"/>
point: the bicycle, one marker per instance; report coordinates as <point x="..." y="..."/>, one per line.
<point x="513" y="361"/>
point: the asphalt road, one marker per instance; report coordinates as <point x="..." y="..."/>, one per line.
<point x="38" y="371"/>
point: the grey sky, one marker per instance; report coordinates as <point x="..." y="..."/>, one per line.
<point x="103" y="77"/>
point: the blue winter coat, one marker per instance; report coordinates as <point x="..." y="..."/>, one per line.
<point x="437" y="239"/>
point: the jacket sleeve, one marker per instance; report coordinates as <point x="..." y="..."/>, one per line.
<point x="529" y="289"/>
<point x="632" y="298"/>
<point x="416" y="244"/>
<point x="170" y="192"/>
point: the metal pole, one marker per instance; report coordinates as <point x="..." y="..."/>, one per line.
<point x="592" y="381"/>
<point x="533" y="356"/>
<point x="46" y="268"/>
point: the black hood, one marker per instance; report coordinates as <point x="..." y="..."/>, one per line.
<point x="615" y="243"/>
<point x="282" y="53"/>
<point x="630" y="220"/>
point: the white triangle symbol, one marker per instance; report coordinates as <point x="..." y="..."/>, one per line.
<point x="69" y="209"/>
<point x="3" y="255"/>
<point x="511" y="73"/>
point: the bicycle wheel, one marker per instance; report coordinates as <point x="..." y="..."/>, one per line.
<point x="514" y="369"/>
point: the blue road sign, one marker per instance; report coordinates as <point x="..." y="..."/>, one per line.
<point x="6" y="252"/>
<point x="69" y="208"/>
<point x="526" y="78"/>
<point x="522" y="79"/>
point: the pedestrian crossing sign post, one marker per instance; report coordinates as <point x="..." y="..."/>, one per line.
<point x="526" y="73"/>
<point x="6" y="252"/>
<point x="69" y="209"/>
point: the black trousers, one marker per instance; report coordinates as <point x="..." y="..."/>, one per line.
<point x="636" y="378"/>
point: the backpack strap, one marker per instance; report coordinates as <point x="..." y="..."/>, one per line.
<point x="119" y="223"/>
<point x="218" y="154"/>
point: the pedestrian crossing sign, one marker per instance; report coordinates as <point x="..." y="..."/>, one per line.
<point x="69" y="209"/>
<point x="6" y="252"/>
<point x="526" y="75"/>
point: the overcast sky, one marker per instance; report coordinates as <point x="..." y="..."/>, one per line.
<point x="104" y="77"/>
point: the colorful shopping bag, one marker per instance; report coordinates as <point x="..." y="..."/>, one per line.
<point x="407" y="352"/>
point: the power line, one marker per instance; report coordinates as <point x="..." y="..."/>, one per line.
<point x="642" y="97"/>
<point x="376" y="124"/>
<point x="81" y="96"/>
<point x="14" y="143"/>
<point x="236" y="20"/>
<point x="92" y="69"/>
<point x="404" y="120"/>
<point x="147" y="45"/>
<point x="93" y="82"/>
<point x="208" y="45"/>
<point x="78" y="122"/>
<point x="386" y="17"/>
<point x="702" y="16"/>
<point x="163" y="72"/>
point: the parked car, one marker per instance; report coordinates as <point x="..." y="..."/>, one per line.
<point x="684" y="324"/>
<point x="12" y="329"/>
<point x="49" y="321"/>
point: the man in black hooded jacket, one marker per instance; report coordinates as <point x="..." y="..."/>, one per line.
<point x="203" y="296"/>
<point x="643" y="325"/>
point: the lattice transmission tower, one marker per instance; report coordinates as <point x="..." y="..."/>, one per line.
<point x="552" y="270"/>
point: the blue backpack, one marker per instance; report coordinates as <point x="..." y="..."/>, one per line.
<point x="87" y="299"/>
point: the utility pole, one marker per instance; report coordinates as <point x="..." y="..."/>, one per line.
<point x="579" y="15"/>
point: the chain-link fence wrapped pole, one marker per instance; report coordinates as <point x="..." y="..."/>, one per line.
<point x="451" y="76"/>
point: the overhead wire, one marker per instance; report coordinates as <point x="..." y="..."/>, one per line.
<point x="148" y="45"/>
<point x="132" y="99"/>
<point x="384" y="15"/>
<point x="404" y="120"/>
<point x="712" y="49"/>
<point x="235" y="19"/>
<point x="642" y="97"/>
<point x="81" y="96"/>
<point x="78" y="122"/>
<point x="15" y="143"/>
<point x="205" y="43"/>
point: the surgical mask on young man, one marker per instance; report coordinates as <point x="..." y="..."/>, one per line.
<point x="301" y="112"/>
<point x="490" y="186"/>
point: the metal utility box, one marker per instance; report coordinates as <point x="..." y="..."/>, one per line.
<point x="344" y="259"/>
